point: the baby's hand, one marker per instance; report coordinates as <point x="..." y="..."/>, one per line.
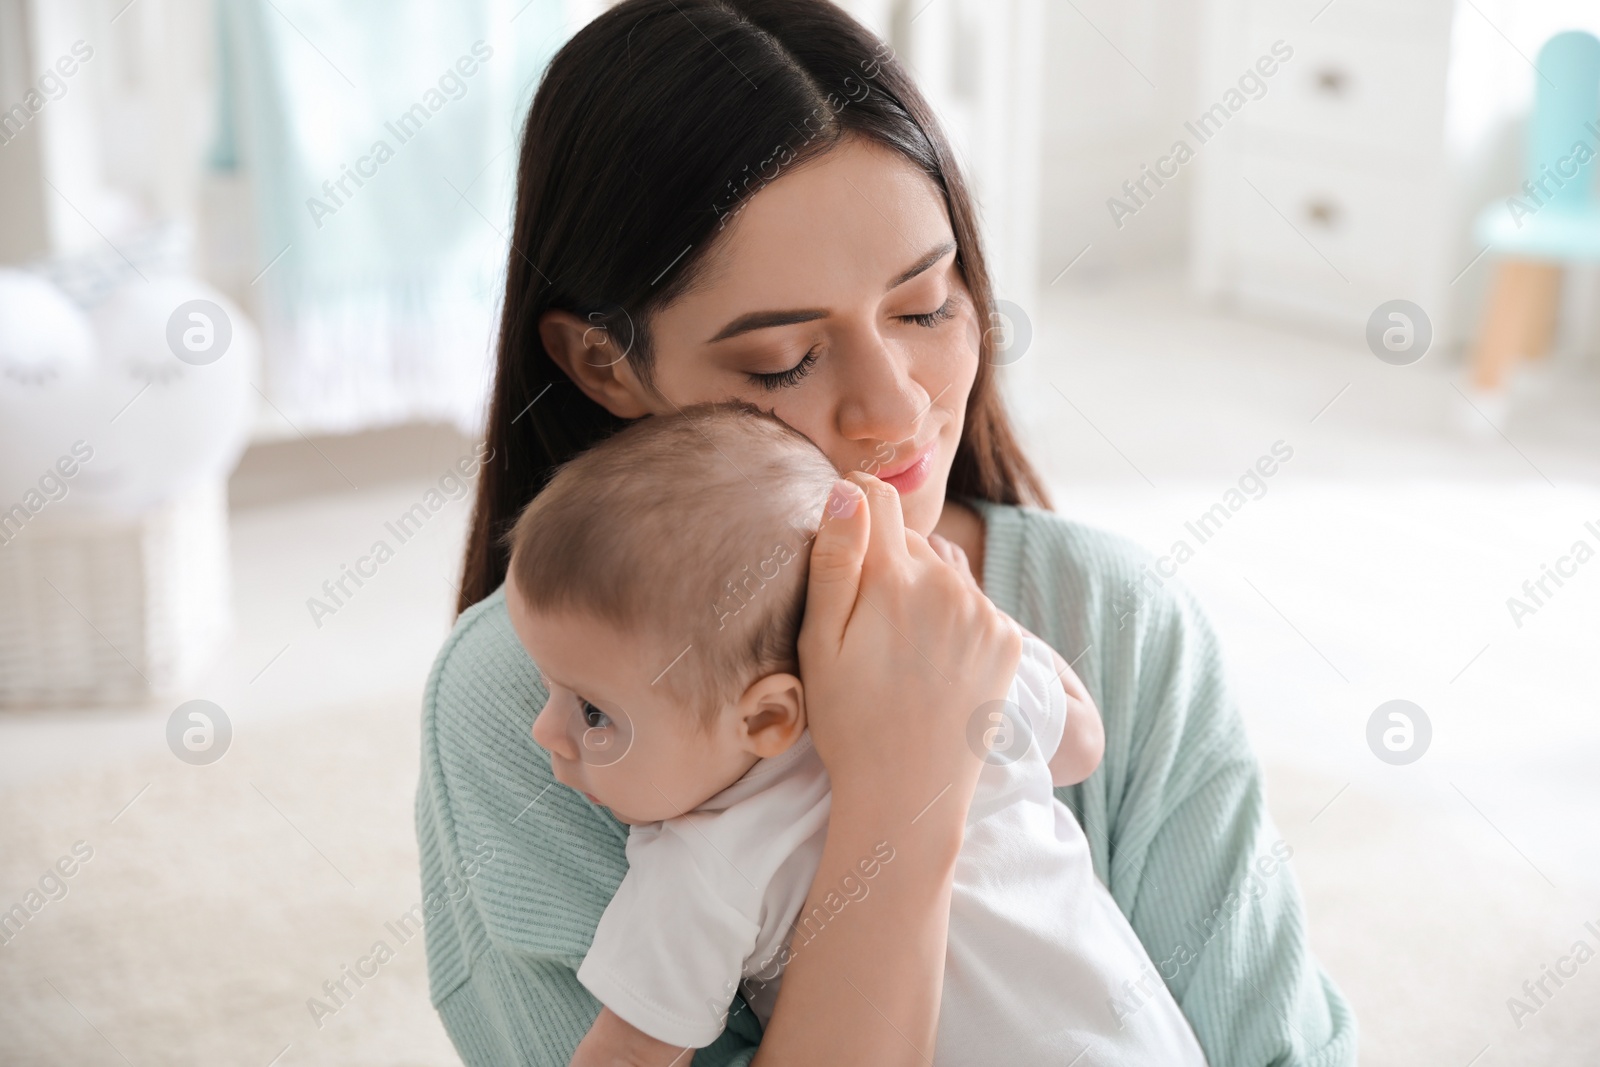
<point x="1083" y="737"/>
<point x="613" y="1042"/>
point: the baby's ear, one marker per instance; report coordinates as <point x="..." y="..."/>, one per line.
<point x="772" y="714"/>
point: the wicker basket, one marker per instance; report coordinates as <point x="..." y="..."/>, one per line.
<point x="103" y="610"/>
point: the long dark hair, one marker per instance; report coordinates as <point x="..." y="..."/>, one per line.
<point x="650" y="128"/>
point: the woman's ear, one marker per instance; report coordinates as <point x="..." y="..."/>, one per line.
<point x="591" y="357"/>
<point x="771" y="715"/>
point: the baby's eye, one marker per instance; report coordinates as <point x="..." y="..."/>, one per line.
<point x="593" y="717"/>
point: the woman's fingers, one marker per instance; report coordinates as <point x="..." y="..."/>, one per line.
<point x="888" y="530"/>
<point x="836" y="558"/>
<point x="955" y="556"/>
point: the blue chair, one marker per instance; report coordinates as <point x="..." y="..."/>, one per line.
<point x="1553" y="219"/>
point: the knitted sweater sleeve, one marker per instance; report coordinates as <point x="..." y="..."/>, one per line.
<point x="1175" y="815"/>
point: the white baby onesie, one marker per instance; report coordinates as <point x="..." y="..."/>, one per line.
<point x="1039" y="958"/>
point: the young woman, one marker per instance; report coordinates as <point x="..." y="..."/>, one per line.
<point x="749" y="198"/>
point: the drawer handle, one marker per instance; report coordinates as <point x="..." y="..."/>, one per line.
<point x="1331" y="81"/>
<point x="1323" y="212"/>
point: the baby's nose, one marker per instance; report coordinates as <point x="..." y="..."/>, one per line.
<point x="549" y="734"/>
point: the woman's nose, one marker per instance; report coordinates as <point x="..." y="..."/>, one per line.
<point x="880" y="400"/>
<point x="549" y="730"/>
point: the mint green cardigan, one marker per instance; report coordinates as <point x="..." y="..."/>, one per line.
<point x="1174" y="816"/>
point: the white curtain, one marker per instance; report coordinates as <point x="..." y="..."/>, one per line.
<point x="379" y="140"/>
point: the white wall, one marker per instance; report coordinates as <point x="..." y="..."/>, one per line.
<point x="978" y="63"/>
<point x="1118" y="81"/>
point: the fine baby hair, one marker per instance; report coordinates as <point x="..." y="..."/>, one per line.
<point x="692" y="529"/>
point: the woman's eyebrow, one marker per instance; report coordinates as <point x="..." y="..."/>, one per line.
<point x="929" y="259"/>
<point x="761" y="320"/>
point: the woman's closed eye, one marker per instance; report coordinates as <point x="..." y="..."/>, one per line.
<point x="784" y="378"/>
<point x="943" y="313"/>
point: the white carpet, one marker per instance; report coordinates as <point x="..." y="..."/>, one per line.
<point x="220" y="901"/>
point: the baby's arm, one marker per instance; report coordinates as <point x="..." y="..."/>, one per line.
<point x="1083" y="736"/>
<point x="668" y="952"/>
<point x="613" y="1042"/>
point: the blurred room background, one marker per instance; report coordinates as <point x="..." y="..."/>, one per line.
<point x="1356" y="235"/>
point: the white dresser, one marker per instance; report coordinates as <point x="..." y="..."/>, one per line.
<point x="1331" y="193"/>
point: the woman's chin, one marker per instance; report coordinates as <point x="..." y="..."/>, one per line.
<point x="922" y="509"/>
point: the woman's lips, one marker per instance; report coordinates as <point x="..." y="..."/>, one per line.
<point x="909" y="478"/>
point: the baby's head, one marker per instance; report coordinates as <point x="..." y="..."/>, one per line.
<point x="658" y="582"/>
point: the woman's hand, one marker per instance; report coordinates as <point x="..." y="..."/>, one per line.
<point x="613" y="1042"/>
<point x="898" y="650"/>
<point x="1083" y="734"/>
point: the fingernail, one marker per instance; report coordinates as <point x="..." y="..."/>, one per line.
<point x="843" y="500"/>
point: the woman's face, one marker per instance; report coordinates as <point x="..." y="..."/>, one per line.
<point x="834" y="301"/>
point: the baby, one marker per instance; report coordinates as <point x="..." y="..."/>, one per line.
<point x="658" y="583"/>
